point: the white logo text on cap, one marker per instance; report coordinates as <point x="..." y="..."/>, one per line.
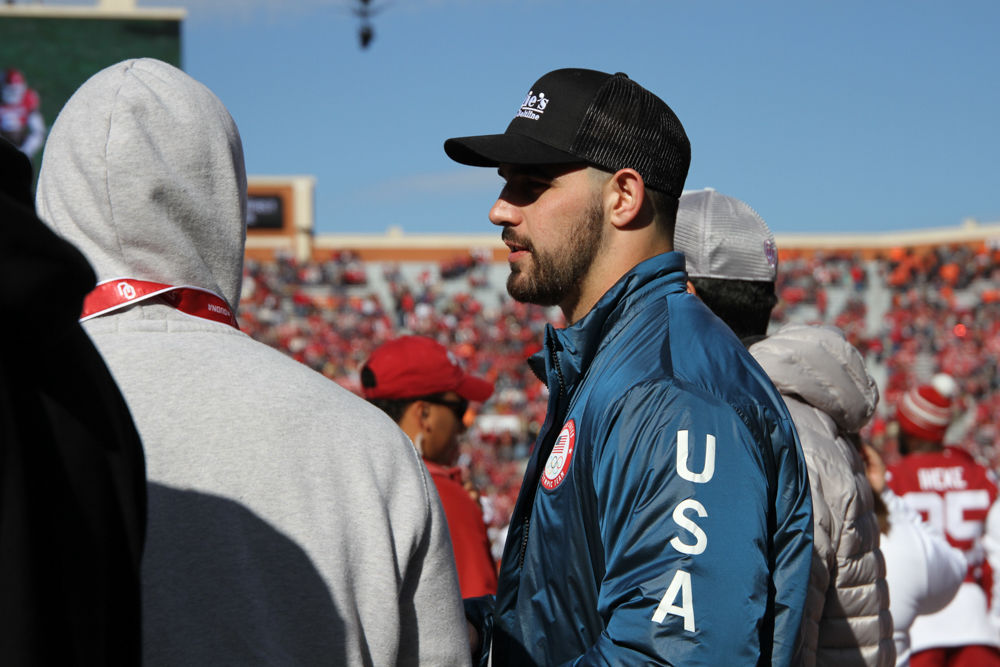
<point x="533" y="106"/>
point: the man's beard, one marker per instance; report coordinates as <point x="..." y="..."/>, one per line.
<point x="556" y="273"/>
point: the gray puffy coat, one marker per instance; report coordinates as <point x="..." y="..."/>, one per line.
<point x="830" y="394"/>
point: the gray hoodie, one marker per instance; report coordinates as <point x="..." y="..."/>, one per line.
<point x="290" y="522"/>
<point x="830" y="395"/>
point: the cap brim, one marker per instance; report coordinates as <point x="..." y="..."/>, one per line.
<point x="474" y="389"/>
<point x="492" y="150"/>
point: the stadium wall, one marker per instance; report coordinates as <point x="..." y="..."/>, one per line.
<point x="295" y="235"/>
<point x="397" y="246"/>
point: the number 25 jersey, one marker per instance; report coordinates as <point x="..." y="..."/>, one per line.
<point x="953" y="494"/>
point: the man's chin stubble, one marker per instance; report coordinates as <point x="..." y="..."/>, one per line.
<point x="524" y="289"/>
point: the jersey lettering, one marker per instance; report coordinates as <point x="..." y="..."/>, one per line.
<point x="956" y="506"/>
<point x="950" y="513"/>
<point x="701" y="539"/>
<point x="953" y="494"/>
<point x="681" y="583"/>
<point x="941" y="479"/>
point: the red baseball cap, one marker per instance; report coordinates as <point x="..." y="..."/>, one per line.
<point x="414" y="366"/>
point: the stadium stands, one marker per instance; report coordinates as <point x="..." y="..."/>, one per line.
<point x="911" y="311"/>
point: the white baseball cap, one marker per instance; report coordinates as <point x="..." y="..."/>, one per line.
<point x="722" y="237"/>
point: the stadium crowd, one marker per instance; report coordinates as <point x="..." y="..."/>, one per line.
<point x="942" y="315"/>
<point x="310" y="312"/>
<point x="240" y="552"/>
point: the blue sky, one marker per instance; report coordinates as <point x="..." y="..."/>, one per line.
<point x="840" y="116"/>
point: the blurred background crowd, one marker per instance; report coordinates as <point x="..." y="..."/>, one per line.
<point x="912" y="313"/>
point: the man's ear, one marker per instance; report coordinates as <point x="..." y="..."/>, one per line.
<point x="627" y="194"/>
<point x="416" y="413"/>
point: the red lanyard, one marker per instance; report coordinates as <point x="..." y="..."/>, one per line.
<point x="118" y="293"/>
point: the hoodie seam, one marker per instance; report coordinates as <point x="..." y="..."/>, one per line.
<point x="107" y="161"/>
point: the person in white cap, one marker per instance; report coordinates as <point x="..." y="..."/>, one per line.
<point x="730" y="257"/>
<point x="290" y="521"/>
<point x="731" y="260"/>
<point x="957" y="496"/>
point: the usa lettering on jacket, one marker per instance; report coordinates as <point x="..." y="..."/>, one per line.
<point x="683" y="515"/>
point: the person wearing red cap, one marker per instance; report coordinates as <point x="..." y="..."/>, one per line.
<point x="420" y="384"/>
<point x="954" y="494"/>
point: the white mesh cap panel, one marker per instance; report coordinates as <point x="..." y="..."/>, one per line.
<point x="722" y="237"/>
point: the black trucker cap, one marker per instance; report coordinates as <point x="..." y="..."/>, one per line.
<point x="581" y="115"/>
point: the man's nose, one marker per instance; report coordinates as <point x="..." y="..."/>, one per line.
<point x="504" y="213"/>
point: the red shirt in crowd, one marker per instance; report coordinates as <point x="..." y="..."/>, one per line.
<point x="477" y="574"/>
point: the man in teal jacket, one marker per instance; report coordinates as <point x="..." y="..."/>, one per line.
<point x="665" y="515"/>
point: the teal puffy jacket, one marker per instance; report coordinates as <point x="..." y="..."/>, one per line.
<point x="664" y="516"/>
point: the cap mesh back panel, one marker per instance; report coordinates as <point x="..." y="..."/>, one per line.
<point x="627" y="126"/>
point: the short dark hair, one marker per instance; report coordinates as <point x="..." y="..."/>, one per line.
<point x="394" y="407"/>
<point x="664" y="210"/>
<point x="664" y="205"/>
<point x="744" y="305"/>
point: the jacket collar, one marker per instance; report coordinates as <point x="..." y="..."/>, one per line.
<point x="436" y="469"/>
<point x="568" y="352"/>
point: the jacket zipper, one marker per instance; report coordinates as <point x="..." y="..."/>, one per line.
<point x="527" y="519"/>
<point x="562" y="382"/>
<point x="524" y="542"/>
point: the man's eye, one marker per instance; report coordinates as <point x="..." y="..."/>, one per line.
<point x="535" y="184"/>
<point x="523" y="188"/>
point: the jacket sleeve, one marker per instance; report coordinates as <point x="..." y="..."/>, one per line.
<point x="824" y="564"/>
<point x="945" y="566"/>
<point x="680" y="494"/>
<point x="432" y="631"/>
<point x="991" y="546"/>
<point x="792" y="543"/>
<point x="479" y="614"/>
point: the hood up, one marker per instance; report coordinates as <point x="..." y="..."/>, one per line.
<point x="143" y="171"/>
<point x="818" y="365"/>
